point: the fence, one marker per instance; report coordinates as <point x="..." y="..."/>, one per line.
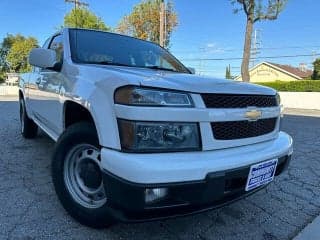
<point x="301" y="100"/>
<point x="8" y="91"/>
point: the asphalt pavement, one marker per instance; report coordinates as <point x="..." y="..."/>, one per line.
<point x="29" y="208"/>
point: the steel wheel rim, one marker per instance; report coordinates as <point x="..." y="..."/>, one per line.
<point x="88" y="197"/>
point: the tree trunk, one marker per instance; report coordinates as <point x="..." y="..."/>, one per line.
<point x="246" y="51"/>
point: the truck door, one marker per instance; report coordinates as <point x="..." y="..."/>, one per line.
<point x="45" y="95"/>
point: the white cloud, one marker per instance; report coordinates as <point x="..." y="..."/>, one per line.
<point x="211" y="45"/>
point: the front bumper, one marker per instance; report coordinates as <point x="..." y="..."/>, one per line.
<point x="127" y="199"/>
<point x="175" y="167"/>
<point x="196" y="181"/>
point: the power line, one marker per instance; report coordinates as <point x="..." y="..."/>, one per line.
<point x="240" y="58"/>
<point x="261" y="48"/>
<point x="291" y="47"/>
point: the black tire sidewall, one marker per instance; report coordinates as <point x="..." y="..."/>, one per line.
<point x="30" y="129"/>
<point x="78" y="133"/>
<point x="21" y="115"/>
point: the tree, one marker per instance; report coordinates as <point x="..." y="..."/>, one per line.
<point x="14" y="51"/>
<point x="3" y="64"/>
<point x="316" y="70"/>
<point x="228" y="72"/>
<point x="4" y="50"/>
<point x="18" y="53"/>
<point x="81" y="17"/>
<point x="144" y="21"/>
<point x="255" y="10"/>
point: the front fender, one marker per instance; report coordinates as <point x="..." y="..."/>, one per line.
<point x="101" y="107"/>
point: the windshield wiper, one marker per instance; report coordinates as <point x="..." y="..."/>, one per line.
<point x="109" y="63"/>
<point x="126" y="65"/>
<point x="160" y="68"/>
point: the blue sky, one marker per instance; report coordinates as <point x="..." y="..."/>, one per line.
<point x="207" y="29"/>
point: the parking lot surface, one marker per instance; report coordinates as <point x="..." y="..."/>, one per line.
<point x="29" y="208"/>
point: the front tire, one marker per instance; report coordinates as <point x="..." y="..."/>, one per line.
<point x="28" y="127"/>
<point x="77" y="176"/>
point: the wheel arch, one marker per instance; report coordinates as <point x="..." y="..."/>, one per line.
<point x="74" y="112"/>
<point x="21" y="94"/>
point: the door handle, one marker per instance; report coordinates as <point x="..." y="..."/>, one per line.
<point x="38" y="80"/>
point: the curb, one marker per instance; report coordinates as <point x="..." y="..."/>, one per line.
<point x="301" y="112"/>
<point x="311" y="231"/>
<point x="4" y="98"/>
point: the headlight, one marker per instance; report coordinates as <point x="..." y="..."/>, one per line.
<point x="131" y="95"/>
<point x="158" y="136"/>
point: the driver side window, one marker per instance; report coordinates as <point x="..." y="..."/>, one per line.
<point x="57" y="45"/>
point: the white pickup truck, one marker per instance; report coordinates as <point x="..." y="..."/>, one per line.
<point x="139" y="136"/>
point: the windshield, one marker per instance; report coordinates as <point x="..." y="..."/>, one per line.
<point x="94" y="47"/>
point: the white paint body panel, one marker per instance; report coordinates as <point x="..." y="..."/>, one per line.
<point x="191" y="166"/>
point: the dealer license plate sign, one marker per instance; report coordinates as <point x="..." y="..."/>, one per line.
<point x="261" y="174"/>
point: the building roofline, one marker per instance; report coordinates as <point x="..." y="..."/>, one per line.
<point x="273" y="66"/>
<point x="281" y="69"/>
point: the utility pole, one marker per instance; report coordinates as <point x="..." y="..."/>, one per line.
<point x="77" y="3"/>
<point x="165" y="24"/>
<point x="162" y="23"/>
<point x="203" y="52"/>
<point x="314" y="55"/>
<point x="256" y="45"/>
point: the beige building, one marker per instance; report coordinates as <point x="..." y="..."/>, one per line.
<point x="269" y="72"/>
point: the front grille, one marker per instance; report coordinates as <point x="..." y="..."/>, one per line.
<point x="238" y="100"/>
<point x="242" y="129"/>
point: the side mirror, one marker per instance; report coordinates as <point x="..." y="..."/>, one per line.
<point x="43" y="58"/>
<point x="192" y="70"/>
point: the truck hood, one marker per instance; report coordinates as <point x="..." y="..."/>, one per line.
<point x="186" y="82"/>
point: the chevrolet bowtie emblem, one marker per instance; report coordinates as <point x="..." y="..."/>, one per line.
<point x="253" y="115"/>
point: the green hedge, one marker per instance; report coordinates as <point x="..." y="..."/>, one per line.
<point x="2" y="77"/>
<point x="294" y="86"/>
